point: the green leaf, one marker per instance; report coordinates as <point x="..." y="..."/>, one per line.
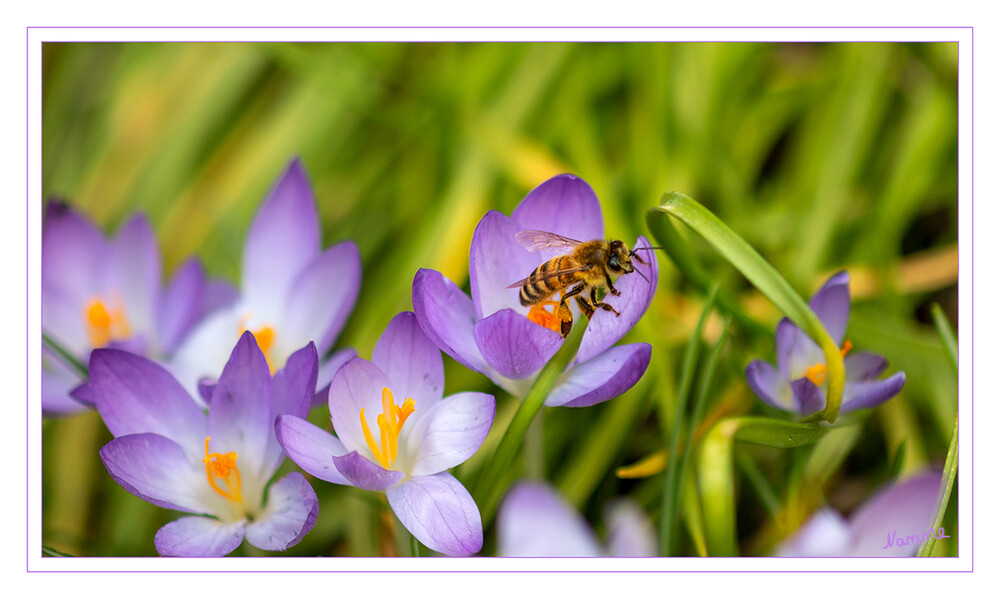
<point x="776" y="433"/>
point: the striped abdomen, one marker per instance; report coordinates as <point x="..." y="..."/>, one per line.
<point x="549" y="278"/>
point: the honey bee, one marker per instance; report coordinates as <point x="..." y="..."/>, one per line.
<point x="579" y="274"/>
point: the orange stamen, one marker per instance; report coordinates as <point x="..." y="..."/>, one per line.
<point x="265" y="340"/>
<point x="817" y="372"/>
<point x="223" y="466"/>
<point x="105" y="326"/>
<point x="390" y="423"/>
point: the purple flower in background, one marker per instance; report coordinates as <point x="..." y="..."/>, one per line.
<point x="168" y="452"/>
<point x="491" y="332"/>
<point x="534" y="521"/>
<point x="395" y="433"/>
<point x="99" y="292"/>
<point x="892" y="523"/>
<point x="799" y="382"/>
<point x="292" y="293"/>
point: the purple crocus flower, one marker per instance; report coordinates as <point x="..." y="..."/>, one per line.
<point x="167" y="451"/>
<point x="491" y="332"/>
<point x="892" y="523"/>
<point x="534" y="521"/>
<point x="799" y="382"/>
<point x="291" y="293"/>
<point x="99" y="292"/>
<point x="395" y="433"/>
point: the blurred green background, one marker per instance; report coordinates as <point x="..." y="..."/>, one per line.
<point x="821" y="155"/>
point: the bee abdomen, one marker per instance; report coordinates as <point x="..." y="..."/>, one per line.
<point x="541" y="285"/>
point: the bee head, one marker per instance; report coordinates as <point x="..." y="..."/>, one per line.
<point x="620" y="260"/>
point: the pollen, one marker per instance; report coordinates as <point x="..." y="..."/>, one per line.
<point x="550" y="319"/>
<point x="390" y="424"/>
<point x="222" y="467"/>
<point x="817" y="372"/>
<point x="103" y="325"/>
<point x="265" y="340"/>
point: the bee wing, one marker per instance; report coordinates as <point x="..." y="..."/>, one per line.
<point x="534" y="241"/>
<point x="534" y="278"/>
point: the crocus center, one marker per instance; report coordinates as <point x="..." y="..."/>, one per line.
<point x="550" y="319"/>
<point x="221" y="467"/>
<point x="104" y="325"/>
<point x="390" y="424"/>
<point x="817" y="372"/>
<point x="265" y="338"/>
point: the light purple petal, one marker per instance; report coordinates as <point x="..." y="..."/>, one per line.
<point x="289" y="515"/>
<point x="447" y="317"/>
<point x="440" y="513"/>
<point x="157" y="470"/>
<point x="796" y="351"/>
<point x="630" y="533"/>
<point x="179" y="308"/>
<point x="411" y="361"/>
<point x="602" y="378"/>
<point x="327" y="370"/>
<point x="863" y="366"/>
<point x="535" y="522"/>
<point x="195" y="536"/>
<point x="807" y="396"/>
<point x="292" y="391"/>
<point x="310" y="447"/>
<point x="136" y="273"/>
<point x="905" y="508"/>
<point x="322" y="297"/>
<point x="358" y="384"/>
<point x="763" y="380"/>
<point x="205" y="350"/>
<point x="366" y="474"/>
<point x="135" y="395"/>
<point x="832" y="303"/>
<point x="58" y="380"/>
<point x="283" y="239"/>
<point x="605" y="329"/>
<point x="450" y="432"/>
<point x="206" y="387"/>
<point x="240" y="416"/>
<point x="565" y="205"/>
<point x="825" y="534"/>
<point x="217" y="295"/>
<point x="513" y="345"/>
<point x="496" y="261"/>
<point x="869" y="394"/>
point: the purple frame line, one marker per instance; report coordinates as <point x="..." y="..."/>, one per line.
<point x="971" y="281"/>
<point x="657" y="27"/>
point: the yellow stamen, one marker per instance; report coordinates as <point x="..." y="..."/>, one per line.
<point x="265" y="341"/>
<point x="223" y="466"/>
<point x="390" y="423"/>
<point x="105" y="326"/>
<point x="817" y="372"/>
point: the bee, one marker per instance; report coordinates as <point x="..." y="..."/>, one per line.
<point x="579" y="274"/>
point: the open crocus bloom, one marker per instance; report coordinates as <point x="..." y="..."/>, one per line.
<point x="491" y="332"/>
<point x="534" y="521"/>
<point x="799" y="382"/>
<point x="395" y="433"/>
<point x="99" y="292"/>
<point x="892" y="523"/>
<point x="291" y="293"/>
<point x="167" y="451"/>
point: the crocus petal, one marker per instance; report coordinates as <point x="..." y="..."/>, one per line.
<point x="290" y="514"/>
<point x="513" y="345"/>
<point x="135" y="395"/>
<point x="763" y="379"/>
<point x="179" y="307"/>
<point x="630" y="533"/>
<point x="411" y="361"/>
<point x="195" y="536"/>
<point x="863" y="366"/>
<point x="357" y="385"/>
<point x="905" y="508"/>
<point x="565" y="205"/>
<point x="796" y="351"/>
<point x="450" y="432"/>
<point x="283" y="239"/>
<point x="239" y="416"/>
<point x="869" y="394"/>
<point x="605" y="328"/>
<point x="327" y="370"/>
<point x="599" y="379"/>
<point x="217" y="295"/>
<point x="157" y="470"/>
<point x="807" y="396"/>
<point x="201" y="354"/>
<point x="58" y="380"/>
<point x="310" y="447"/>
<point x="292" y="391"/>
<point x="366" y="474"/>
<point x="322" y="297"/>
<point x="440" y="513"/>
<point x="535" y="522"/>
<point x="832" y="304"/>
<point x="136" y="273"/>
<point x="496" y="261"/>
<point x="825" y="534"/>
<point x="447" y="316"/>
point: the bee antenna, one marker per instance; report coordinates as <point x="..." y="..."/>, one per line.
<point x="632" y="253"/>
<point x="642" y="275"/>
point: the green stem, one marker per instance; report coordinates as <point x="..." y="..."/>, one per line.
<point x="763" y="276"/>
<point x="944" y="492"/>
<point x="947" y="336"/>
<point x="64" y="354"/>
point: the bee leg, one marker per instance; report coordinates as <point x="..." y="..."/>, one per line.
<point x="610" y="285"/>
<point x="600" y="304"/>
<point x="565" y="319"/>
<point x="585" y="306"/>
